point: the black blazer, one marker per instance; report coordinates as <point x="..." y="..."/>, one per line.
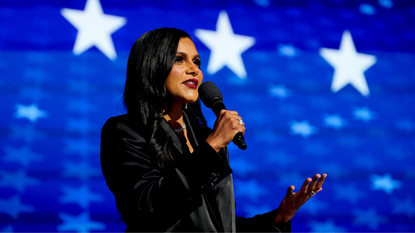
<point x="194" y="195"/>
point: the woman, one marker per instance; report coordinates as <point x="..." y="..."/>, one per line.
<point x="167" y="170"/>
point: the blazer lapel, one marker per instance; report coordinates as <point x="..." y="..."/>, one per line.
<point x="210" y="197"/>
<point x="171" y="134"/>
<point x="210" y="200"/>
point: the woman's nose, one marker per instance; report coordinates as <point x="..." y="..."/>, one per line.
<point x="193" y="69"/>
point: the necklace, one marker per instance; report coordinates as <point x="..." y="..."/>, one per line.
<point x="180" y="130"/>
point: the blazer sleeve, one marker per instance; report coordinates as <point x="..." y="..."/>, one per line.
<point x="262" y="223"/>
<point x="141" y="189"/>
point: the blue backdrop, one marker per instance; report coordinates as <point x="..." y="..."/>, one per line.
<point x="323" y="87"/>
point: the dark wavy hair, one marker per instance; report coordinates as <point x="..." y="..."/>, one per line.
<point x="145" y="95"/>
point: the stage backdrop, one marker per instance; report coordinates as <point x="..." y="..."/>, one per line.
<point x="323" y="87"/>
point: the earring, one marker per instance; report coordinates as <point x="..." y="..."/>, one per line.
<point x="185" y="106"/>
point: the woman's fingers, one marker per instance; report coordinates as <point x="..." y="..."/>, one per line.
<point x="234" y="120"/>
<point x="228" y="124"/>
<point x="304" y="187"/>
<point x="312" y="187"/>
<point x="321" y="182"/>
<point x="290" y="190"/>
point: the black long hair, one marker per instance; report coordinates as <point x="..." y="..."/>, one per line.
<point x="145" y="95"/>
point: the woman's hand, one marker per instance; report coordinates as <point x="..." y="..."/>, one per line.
<point x="228" y="124"/>
<point x="293" y="201"/>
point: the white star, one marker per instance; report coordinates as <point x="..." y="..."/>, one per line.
<point x="279" y="91"/>
<point x="334" y="121"/>
<point x="94" y="28"/>
<point x="367" y="9"/>
<point x="349" y="65"/>
<point x="386" y="3"/>
<point x="386" y="183"/>
<point x="287" y="50"/>
<point x="226" y="47"/>
<point x="363" y="114"/>
<point x="31" y="112"/>
<point x="303" y="128"/>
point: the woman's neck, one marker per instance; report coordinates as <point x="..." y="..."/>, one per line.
<point x="175" y="116"/>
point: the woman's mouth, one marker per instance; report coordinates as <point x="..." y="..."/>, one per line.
<point x="191" y="83"/>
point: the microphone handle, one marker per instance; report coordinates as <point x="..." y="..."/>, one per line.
<point x="238" y="139"/>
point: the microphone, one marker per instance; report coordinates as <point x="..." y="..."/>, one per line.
<point x="212" y="98"/>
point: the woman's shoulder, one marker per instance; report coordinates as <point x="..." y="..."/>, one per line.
<point x="122" y="124"/>
<point x="119" y="121"/>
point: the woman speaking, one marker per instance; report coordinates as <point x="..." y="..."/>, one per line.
<point x="168" y="171"/>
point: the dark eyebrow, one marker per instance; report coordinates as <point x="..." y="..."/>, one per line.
<point x="185" y="54"/>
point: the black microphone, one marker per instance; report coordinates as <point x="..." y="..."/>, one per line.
<point x="212" y="98"/>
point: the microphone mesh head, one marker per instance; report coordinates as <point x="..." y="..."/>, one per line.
<point x="209" y="94"/>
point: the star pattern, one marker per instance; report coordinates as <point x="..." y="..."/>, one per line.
<point x="82" y="170"/>
<point x="13" y="207"/>
<point x="82" y="126"/>
<point x="287" y="50"/>
<point x="406" y="125"/>
<point x="33" y="93"/>
<point x="349" y="192"/>
<point x="226" y="47"/>
<point x="81" y="86"/>
<point x="28" y="133"/>
<point x="363" y="114"/>
<point x="335" y="170"/>
<point x="249" y="188"/>
<point x="31" y="112"/>
<point x="252" y="210"/>
<point x="81" y="105"/>
<point x="302" y="128"/>
<point x="385" y="183"/>
<point x="314" y="206"/>
<point x="334" y="121"/>
<point x="316" y="149"/>
<point x="80" y="146"/>
<point x="406" y="206"/>
<point x="367" y="161"/>
<point x="386" y="3"/>
<point x="79" y="223"/>
<point x="327" y="226"/>
<point x="81" y="196"/>
<point x="369" y="217"/>
<point x="279" y="91"/>
<point x="94" y="28"/>
<point x="242" y="167"/>
<point x="367" y="9"/>
<point x="22" y="155"/>
<point x="348" y="65"/>
<point x="287" y="179"/>
<point x="280" y="158"/>
<point x="18" y="180"/>
<point x="283" y="67"/>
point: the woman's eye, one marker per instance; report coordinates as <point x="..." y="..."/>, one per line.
<point x="198" y="63"/>
<point x="178" y="59"/>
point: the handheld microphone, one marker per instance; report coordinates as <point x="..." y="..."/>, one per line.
<point x="212" y="98"/>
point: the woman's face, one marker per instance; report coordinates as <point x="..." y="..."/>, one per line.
<point x="185" y="77"/>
